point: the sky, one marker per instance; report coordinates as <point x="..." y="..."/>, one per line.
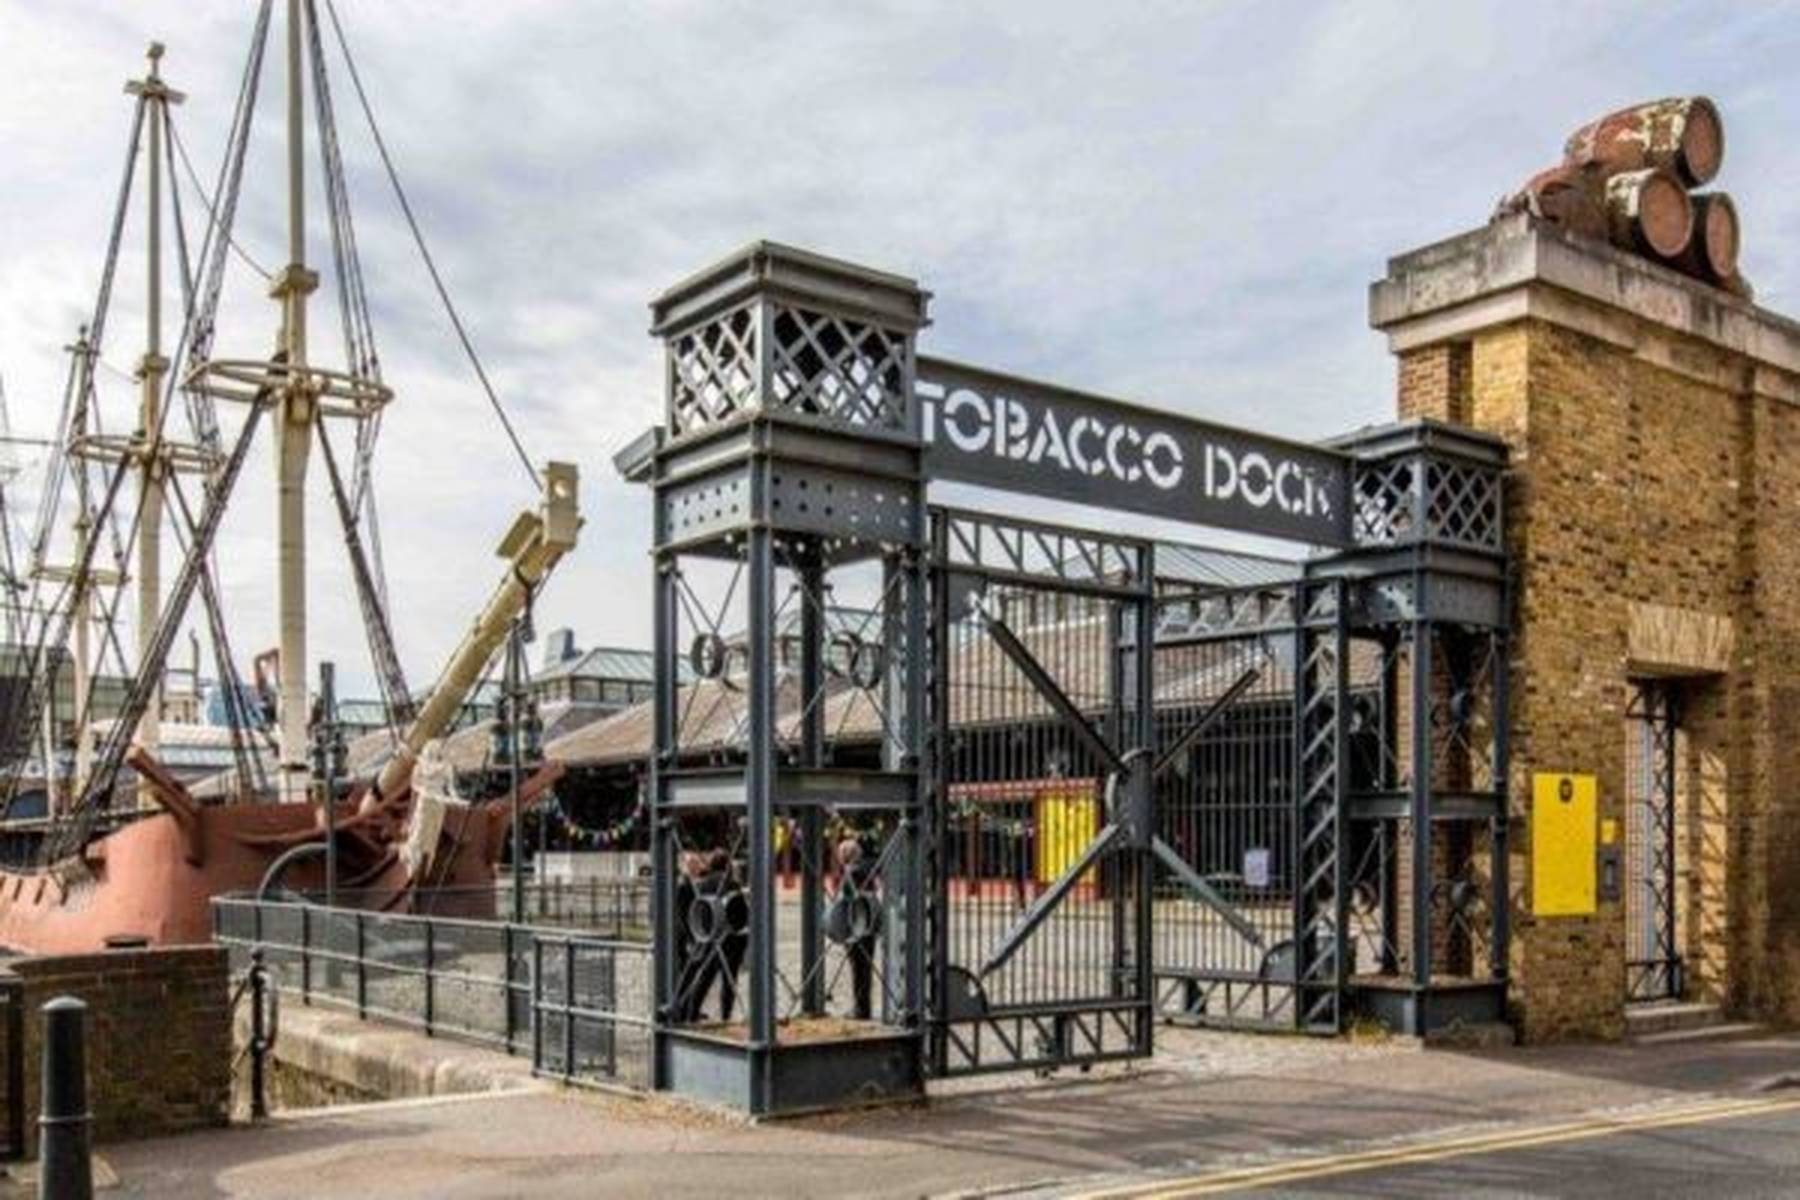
<point x="1177" y="203"/>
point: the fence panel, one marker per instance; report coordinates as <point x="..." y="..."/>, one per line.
<point x="579" y="1004"/>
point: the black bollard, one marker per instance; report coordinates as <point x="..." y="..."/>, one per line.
<point x="64" y="1169"/>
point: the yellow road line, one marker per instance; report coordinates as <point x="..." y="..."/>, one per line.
<point x="1320" y="1166"/>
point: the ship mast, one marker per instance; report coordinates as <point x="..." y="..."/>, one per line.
<point x="152" y="369"/>
<point x="149" y="452"/>
<point x="298" y="395"/>
<point x="81" y="579"/>
<point x="293" y="434"/>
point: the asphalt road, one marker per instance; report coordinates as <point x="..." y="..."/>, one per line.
<point x="1713" y="1149"/>
<point x="1293" y="1116"/>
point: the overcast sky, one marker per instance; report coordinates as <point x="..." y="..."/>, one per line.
<point x="1177" y="203"/>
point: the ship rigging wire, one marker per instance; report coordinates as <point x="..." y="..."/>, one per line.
<point x="418" y="236"/>
<point x="195" y="533"/>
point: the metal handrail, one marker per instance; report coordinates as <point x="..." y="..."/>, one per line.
<point x="519" y="947"/>
<point x="265" y="1027"/>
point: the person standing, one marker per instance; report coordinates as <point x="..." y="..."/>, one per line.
<point x="719" y="923"/>
<point x="685" y="1004"/>
<point x="854" y="922"/>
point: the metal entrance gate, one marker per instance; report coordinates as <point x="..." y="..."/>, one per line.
<point x="1653" y="968"/>
<point x="961" y="734"/>
<point x="1040" y="868"/>
<point x="1250" y="688"/>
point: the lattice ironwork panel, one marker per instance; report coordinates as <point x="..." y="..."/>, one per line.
<point x="712" y="371"/>
<point x="847" y="371"/>
<point x="1322" y="704"/>
<point x="1463" y="504"/>
<point x="1420" y="498"/>
<point x="1225" y="614"/>
<point x="863" y="653"/>
<point x="1457" y="899"/>
<point x="1385" y="503"/>
<point x="1653" y="966"/>
<point x="1005" y="547"/>
<point x="1464" y="722"/>
<point x="1461" y="902"/>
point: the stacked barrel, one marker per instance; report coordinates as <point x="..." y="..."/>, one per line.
<point x="1630" y="178"/>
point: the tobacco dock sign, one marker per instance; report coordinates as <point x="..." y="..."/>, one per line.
<point x="994" y="430"/>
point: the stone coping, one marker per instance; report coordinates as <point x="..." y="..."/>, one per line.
<point x="1521" y="267"/>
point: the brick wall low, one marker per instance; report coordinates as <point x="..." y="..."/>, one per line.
<point x="158" y="1037"/>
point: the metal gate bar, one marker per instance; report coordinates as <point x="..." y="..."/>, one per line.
<point x="1653" y="965"/>
<point x="1250" y="805"/>
<point x="1041" y="862"/>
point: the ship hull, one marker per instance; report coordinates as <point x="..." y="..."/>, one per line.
<point x="153" y="880"/>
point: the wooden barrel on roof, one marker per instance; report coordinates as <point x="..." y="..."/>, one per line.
<point x="1682" y="134"/>
<point x="1569" y="196"/>
<point x="1712" y="253"/>
<point x="1649" y="211"/>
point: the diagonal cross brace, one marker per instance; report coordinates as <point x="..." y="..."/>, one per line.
<point x="1053" y="695"/>
<point x="1046" y="904"/>
<point x="1205" y="892"/>
<point x="1205" y="721"/>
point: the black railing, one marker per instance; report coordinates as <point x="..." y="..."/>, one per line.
<point x="605" y="908"/>
<point x="494" y="983"/>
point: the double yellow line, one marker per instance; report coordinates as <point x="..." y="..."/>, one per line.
<point x="1322" y="1166"/>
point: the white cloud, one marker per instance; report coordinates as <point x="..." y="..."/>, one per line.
<point x="1176" y="202"/>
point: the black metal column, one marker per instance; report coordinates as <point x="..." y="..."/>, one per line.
<point x="810" y="825"/>
<point x="1419" y="688"/>
<point x="759" y="791"/>
<point x="666" y="939"/>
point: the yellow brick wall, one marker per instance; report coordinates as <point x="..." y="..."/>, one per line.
<point x="1632" y="482"/>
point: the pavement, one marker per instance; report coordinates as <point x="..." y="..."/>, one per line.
<point x="1213" y="1112"/>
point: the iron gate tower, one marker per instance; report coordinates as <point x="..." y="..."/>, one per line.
<point x="953" y="791"/>
<point x="789" y="559"/>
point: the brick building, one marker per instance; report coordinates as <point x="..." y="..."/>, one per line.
<point x="1654" y="427"/>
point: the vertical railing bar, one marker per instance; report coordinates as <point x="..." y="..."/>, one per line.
<point x="430" y="977"/>
<point x="306" y="954"/>
<point x="509" y="951"/>
<point x="362" y="974"/>
<point x="568" y="1008"/>
<point x="536" y="1009"/>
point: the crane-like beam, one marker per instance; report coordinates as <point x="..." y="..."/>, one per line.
<point x="531" y="548"/>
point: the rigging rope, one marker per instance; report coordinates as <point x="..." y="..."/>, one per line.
<point x="202" y="321"/>
<point x="418" y="237"/>
<point x="358" y="326"/>
<point x="187" y="165"/>
<point x="74" y="834"/>
<point x="388" y="674"/>
<point x="195" y="336"/>
<point x="77" y="397"/>
<point x="252" y="778"/>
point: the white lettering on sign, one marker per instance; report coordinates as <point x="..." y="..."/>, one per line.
<point x="1036" y="434"/>
<point x="1009" y="428"/>
<point x="1285" y="485"/>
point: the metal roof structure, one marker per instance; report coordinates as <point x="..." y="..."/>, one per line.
<point x="1209" y="566"/>
<point x="602" y="662"/>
